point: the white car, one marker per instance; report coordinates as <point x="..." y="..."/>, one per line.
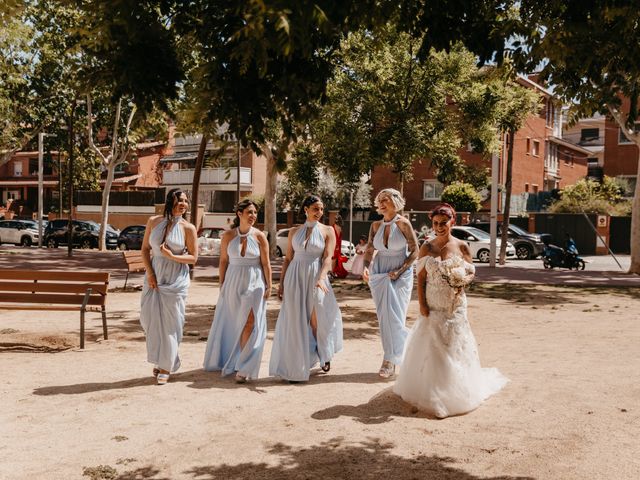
<point x="347" y="248"/>
<point x="19" y="232"/>
<point x="479" y="242"/>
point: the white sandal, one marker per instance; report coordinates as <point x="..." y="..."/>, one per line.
<point x="387" y="370"/>
<point x="162" y="378"/>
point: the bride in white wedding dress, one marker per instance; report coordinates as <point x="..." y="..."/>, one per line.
<point x="441" y="372"/>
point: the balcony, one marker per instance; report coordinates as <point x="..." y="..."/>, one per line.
<point x="209" y="176"/>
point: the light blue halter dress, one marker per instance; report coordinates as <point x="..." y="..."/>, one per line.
<point x="391" y="296"/>
<point x="162" y="309"/>
<point x="242" y="291"/>
<point x="295" y="350"/>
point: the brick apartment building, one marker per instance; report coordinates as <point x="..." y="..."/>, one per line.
<point x="542" y="161"/>
<point x="219" y="178"/>
<point x="19" y="177"/>
<point x="620" y="155"/>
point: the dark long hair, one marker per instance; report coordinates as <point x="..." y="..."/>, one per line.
<point x="307" y="202"/>
<point x="241" y="207"/>
<point x="172" y="197"/>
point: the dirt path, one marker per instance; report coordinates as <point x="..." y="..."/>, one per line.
<point x="570" y="411"/>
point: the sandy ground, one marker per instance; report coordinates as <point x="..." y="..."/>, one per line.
<point x="571" y="410"/>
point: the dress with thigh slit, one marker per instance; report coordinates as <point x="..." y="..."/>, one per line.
<point x="242" y="292"/>
<point x="162" y="309"/>
<point x="391" y="297"/>
<point x="295" y="350"/>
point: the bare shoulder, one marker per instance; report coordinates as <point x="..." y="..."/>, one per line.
<point x="327" y="228"/>
<point x="404" y="221"/>
<point x="425" y="249"/>
<point x="464" y="248"/>
<point x="189" y="227"/>
<point x="293" y="230"/>
<point x="260" y="235"/>
<point x="155" y="220"/>
<point x="229" y="234"/>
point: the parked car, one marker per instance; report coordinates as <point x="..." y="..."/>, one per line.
<point x="527" y="245"/>
<point x="346" y="248"/>
<point x="130" y="237"/>
<point x="479" y="242"/>
<point x="84" y="234"/>
<point x="18" y="232"/>
<point x="209" y="240"/>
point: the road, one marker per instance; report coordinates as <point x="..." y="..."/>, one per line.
<point x="600" y="270"/>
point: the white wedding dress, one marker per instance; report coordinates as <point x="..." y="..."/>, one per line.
<point x="441" y="372"/>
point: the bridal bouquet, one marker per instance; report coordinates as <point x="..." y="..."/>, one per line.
<point x="453" y="272"/>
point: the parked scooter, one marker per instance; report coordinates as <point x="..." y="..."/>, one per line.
<point x="568" y="257"/>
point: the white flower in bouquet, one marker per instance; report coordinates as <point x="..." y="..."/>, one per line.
<point x="455" y="273"/>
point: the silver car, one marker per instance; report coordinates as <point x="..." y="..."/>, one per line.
<point x="18" y="232"/>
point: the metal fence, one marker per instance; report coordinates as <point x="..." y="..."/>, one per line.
<point x="620" y="234"/>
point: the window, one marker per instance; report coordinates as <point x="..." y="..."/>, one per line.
<point x="528" y="145"/>
<point x="550" y="113"/>
<point x="589" y="134"/>
<point x="431" y="190"/>
<point x="534" y="188"/>
<point x="535" y="149"/>
<point x="17" y="169"/>
<point x="526" y="187"/>
<point x="622" y="138"/>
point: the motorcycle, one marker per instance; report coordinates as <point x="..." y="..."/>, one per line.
<point x="554" y="256"/>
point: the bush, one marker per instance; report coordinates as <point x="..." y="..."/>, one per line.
<point x="462" y="196"/>
<point x="590" y="196"/>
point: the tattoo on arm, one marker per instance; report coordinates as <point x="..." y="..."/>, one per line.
<point x="368" y="253"/>
<point x="412" y="246"/>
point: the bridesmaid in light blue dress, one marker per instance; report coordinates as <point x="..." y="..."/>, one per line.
<point x="309" y="327"/>
<point x="391" y="276"/>
<point x="239" y="327"/>
<point x="173" y="242"/>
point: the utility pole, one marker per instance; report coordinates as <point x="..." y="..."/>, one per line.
<point x="41" y="136"/>
<point x="493" y="218"/>
<point x="70" y="179"/>
<point x="238" y="175"/>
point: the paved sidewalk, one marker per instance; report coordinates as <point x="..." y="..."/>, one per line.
<point x="601" y="270"/>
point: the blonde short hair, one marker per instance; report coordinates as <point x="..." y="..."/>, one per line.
<point x="394" y="195"/>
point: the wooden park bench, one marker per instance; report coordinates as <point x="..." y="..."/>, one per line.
<point x="134" y="262"/>
<point x="81" y="291"/>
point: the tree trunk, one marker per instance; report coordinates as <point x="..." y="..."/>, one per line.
<point x="270" y="201"/>
<point x="507" y="201"/>
<point x="195" y="186"/>
<point x="635" y="225"/>
<point x="104" y="210"/>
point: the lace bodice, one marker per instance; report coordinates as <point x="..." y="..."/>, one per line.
<point x="440" y="294"/>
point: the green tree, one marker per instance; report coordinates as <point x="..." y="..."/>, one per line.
<point x="387" y="106"/>
<point x="462" y="196"/>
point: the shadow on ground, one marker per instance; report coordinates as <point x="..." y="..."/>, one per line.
<point x="548" y="295"/>
<point x="335" y="459"/>
<point x="200" y="379"/>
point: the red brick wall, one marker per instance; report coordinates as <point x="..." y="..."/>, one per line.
<point x="572" y="166"/>
<point x="619" y="159"/>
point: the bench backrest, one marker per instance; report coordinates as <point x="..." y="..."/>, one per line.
<point x="52" y="287"/>
<point x="134" y="260"/>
